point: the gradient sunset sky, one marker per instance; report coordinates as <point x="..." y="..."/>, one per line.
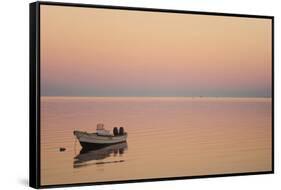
<point x="103" y="52"/>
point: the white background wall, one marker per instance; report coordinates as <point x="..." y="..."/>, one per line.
<point x="14" y="95"/>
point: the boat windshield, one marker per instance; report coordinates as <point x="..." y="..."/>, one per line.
<point x="100" y="126"/>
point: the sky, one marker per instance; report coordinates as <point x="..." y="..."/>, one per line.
<point x="103" y="52"/>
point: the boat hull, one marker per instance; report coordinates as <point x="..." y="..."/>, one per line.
<point x="92" y="140"/>
<point x="90" y="146"/>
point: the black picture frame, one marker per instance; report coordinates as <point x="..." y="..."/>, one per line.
<point x="34" y="98"/>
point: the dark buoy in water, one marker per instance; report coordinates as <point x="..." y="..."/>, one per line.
<point x="62" y="149"/>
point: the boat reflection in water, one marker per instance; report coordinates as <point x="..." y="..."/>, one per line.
<point x="95" y="155"/>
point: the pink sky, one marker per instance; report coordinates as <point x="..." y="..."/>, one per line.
<point x="102" y="52"/>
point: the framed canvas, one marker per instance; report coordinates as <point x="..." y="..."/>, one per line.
<point x="126" y="94"/>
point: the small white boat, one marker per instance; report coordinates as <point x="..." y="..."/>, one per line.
<point x="101" y="137"/>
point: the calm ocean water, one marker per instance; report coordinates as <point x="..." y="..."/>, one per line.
<point x="168" y="137"/>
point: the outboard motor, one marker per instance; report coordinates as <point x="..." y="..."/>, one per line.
<point x="121" y="131"/>
<point x="115" y="131"/>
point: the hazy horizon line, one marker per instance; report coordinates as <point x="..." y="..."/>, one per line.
<point x="160" y="96"/>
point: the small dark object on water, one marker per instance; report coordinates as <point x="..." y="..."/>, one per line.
<point x="62" y="149"/>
